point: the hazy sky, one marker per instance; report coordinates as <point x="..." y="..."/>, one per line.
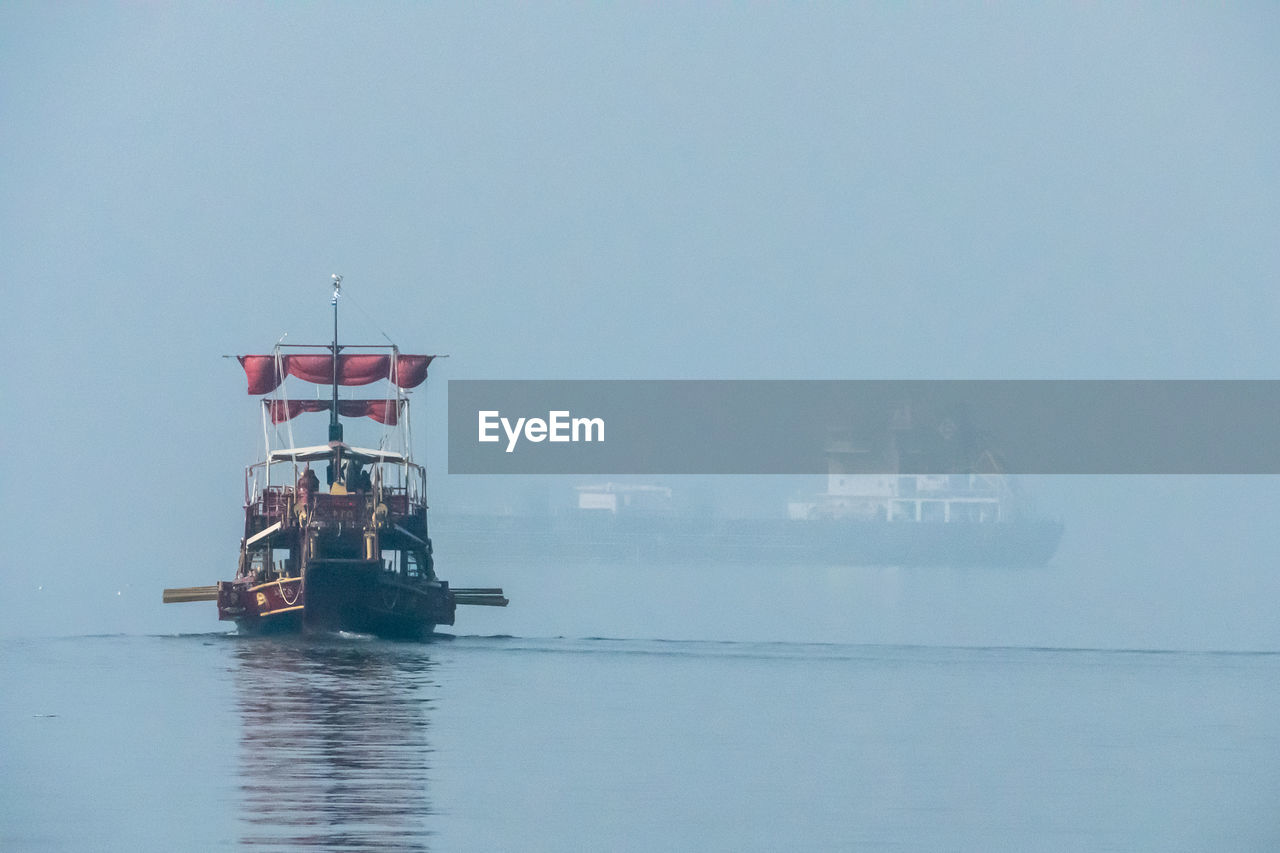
<point x="601" y="191"/>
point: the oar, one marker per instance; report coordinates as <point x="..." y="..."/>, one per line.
<point x="190" y="593"/>
<point x="494" y="599"/>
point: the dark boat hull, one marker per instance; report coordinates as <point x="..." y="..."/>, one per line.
<point x="339" y="595"/>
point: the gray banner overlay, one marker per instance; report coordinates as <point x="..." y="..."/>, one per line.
<point x="865" y="426"/>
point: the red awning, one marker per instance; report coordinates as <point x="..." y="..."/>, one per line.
<point x="406" y="371"/>
<point x="382" y="411"/>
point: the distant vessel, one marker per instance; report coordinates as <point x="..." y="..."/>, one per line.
<point x="356" y="556"/>
<point x="865" y="516"/>
<point x="1022" y="542"/>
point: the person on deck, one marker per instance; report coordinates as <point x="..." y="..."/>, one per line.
<point x="354" y="474"/>
<point x="308" y="485"/>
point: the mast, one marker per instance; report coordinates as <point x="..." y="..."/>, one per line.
<point x="335" y="428"/>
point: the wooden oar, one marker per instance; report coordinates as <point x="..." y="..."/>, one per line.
<point x="490" y="600"/>
<point x="190" y="593"/>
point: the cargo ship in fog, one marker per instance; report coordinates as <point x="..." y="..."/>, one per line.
<point x="974" y="517"/>
<point x="928" y="527"/>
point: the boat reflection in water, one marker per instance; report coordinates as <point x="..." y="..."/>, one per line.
<point x="334" y="743"/>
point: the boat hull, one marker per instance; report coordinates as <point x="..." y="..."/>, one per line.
<point x="335" y="595"/>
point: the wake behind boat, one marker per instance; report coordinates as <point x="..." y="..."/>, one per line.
<point x="353" y="556"/>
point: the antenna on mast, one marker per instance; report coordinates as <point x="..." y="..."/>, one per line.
<point x="335" y="428"/>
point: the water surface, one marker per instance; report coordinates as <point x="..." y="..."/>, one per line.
<point x="484" y="743"/>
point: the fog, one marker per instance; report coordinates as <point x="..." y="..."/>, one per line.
<point x="635" y="192"/>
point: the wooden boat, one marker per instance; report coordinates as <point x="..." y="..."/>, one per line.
<point x="355" y="555"/>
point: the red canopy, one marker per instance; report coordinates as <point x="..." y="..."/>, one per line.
<point x="406" y="371"/>
<point x="382" y="411"/>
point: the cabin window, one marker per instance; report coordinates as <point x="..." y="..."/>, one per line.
<point x="413" y="567"/>
<point x="391" y="562"/>
<point x="282" y="562"/>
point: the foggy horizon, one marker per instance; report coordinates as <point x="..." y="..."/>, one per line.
<point x="567" y="192"/>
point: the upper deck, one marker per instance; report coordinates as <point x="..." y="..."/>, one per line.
<point x="335" y="483"/>
<point x="275" y="503"/>
<point x="361" y="483"/>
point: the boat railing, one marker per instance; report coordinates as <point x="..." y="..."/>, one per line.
<point x="403" y="477"/>
<point x="276" y="502"/>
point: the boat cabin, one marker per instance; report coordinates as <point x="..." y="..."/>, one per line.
<point x="369" y="505"/>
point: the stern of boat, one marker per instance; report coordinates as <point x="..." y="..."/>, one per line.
<point x="361" y="596"/>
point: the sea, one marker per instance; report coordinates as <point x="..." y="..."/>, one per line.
<point x="213" y="741"/>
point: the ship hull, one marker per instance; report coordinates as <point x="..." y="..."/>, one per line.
<point x="335" y="596"/>
<point x="1021" y="543"/>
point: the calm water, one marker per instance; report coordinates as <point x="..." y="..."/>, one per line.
<point x="218" y="742"/>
